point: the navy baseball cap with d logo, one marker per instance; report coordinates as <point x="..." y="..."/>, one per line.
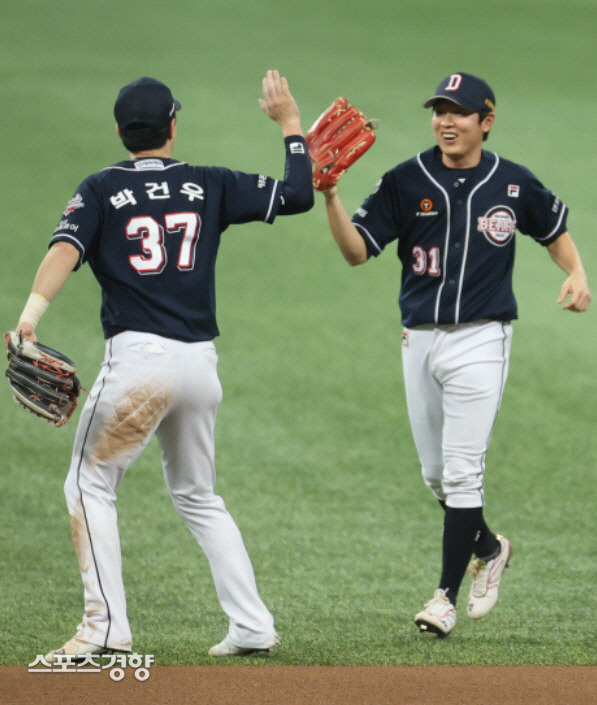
<point x="466" y="90"/>
<point x="145" y="102"/>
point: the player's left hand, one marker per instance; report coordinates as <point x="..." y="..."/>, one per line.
<point x="339" y="136"/>
<point x="42" y="379"/>
<point x="27" y="331"/>
<point x="577" y="288"/>
<point x="279" y="104"/>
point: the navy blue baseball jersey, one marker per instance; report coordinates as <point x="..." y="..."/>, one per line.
<point x="150" y="230"/>
<point x="456" y="234"/>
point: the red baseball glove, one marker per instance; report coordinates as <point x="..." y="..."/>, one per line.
<point x="338" y="137"/>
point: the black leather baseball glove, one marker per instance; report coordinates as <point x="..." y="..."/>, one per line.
<point x="42" y="380"/>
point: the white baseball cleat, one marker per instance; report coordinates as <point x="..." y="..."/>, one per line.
<point x="78" y="648"/>
<point x="439" y="615"/>
<point x="483" y="594"/>
<point x="225" y="648"/>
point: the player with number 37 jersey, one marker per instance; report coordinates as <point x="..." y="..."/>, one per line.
<point x="150" y="230"/>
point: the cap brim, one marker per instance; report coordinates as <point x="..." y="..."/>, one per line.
<point x="430" y="102"/>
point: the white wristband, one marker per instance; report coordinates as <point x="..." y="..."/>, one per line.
<point x="34" y="309"/>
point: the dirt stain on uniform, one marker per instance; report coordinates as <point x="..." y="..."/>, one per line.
<point x="133" y="420"/>
<point x="85" y="559"/>
<point x="80" y="537"/>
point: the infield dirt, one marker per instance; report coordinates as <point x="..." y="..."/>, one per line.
<point x="309" y="685"/>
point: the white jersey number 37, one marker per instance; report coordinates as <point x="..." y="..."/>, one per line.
<point x="152" y="234"/>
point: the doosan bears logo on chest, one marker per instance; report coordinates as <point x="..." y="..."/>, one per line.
<point x="498" y="225"/>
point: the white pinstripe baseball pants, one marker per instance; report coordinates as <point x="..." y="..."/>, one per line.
<point x="454" y="379"/>
<point x="149" y="384"/>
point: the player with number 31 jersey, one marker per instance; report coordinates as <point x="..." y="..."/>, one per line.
<point x="455" y="234"/>
<point x="453" y="211"/>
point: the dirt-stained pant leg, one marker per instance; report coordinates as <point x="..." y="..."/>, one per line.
<point x="127" y="401"/>
<point x="150" y="384"/>
<point x="186" y="436"/>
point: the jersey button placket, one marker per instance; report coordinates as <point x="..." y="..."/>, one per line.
<point x="455" y="251"/>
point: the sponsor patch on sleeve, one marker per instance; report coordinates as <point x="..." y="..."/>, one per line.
<point x="75" y="202"/>
<point x="556" y="203"/>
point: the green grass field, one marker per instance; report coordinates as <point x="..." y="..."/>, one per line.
<point x="315" y="457"/>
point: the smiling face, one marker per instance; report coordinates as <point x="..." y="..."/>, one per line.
<point x="459" y="134"/>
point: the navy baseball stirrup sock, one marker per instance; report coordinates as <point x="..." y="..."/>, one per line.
<point x="489" y="556"/>
<point x="460" y="529"/>
<point x="486" y="544"/>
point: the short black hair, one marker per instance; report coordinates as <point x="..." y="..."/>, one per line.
<point x="139" y="137"/>
<point x="482" y="115"/>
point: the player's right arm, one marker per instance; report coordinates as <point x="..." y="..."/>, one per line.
<point x="345" y="233"/>
<point x="54" y="270"/>
<point x="279" y="104"/>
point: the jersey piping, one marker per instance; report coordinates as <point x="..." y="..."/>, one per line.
<point x="67" y="236"/>
<point x="368" y="236"/>
<point x="468" y="234"/>
<point x="82" y="500"/>
<point x="448" y="233"/>
<point x="272" y="200"/>
<point x="154" y="167"/>
<point x="447" y="239"/>
<point x="551" y="234"/>
<point x="505" y="359"/>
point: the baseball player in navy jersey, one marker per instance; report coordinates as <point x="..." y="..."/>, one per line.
<point x="452" y="212"/>
<point x="150" y="228"/>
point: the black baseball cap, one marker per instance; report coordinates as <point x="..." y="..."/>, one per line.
<point x="466" y="90"/>
<point x="145" y="102"/>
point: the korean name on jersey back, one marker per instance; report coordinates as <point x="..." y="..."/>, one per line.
<point x="150" y="231"/>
